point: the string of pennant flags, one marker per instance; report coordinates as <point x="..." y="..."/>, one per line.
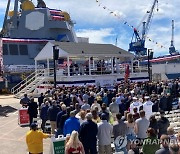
<point x="119" y="17"/>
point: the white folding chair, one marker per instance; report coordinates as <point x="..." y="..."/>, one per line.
<point x="47" y="127"/>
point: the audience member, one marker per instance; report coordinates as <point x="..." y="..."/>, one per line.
<point x="72" y="123"/>
<point x="73" y="145"/>
<point x="165" y="140"/>
<point x="87" y="133"/>
<point x="151" y="143"/>
<point x="104" y="135"/>
<point x="52" y="114"/>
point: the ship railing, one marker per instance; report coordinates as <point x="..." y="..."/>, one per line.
<point x="96" y="71"/>
<point x="28" y="80"/>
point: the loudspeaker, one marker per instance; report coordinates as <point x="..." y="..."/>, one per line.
<point x="55" y="53"/>
<point x="151" y="55"/>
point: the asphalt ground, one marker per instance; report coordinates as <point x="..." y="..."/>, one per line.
<point x="12" y="136"/>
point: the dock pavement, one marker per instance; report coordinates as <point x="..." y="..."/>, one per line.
<point x="12" y="136"/>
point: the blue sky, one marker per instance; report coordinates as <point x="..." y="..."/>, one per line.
<point x="102" y="27"/>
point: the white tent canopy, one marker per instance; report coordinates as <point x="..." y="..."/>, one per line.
<point x="47" y="52"/>
<point x="78" y="50"/>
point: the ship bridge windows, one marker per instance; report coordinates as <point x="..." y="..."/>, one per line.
<point x="5" y="49"/>
<point x="13" y="48"/>
<point x="23" y="49"/>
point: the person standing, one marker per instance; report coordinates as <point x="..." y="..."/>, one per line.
<point x="72" y="123"/>
<point x="151" y="143"/>
<point x="153" y="124"/>
<point x="141" y="126"/>
<point x="62" y="121"/>
<point x="81" y="116"/>
<point x="59" y="115"/>
<point x="25" y="101"/>
<point x="165" y="145"/>
<point x="163" y="124"/>
<point x="105" y="99"/>
<point x="163" y="102"/>
<point x="74" y="146"/>
<point x="147" y="107"/>
<point x="91" y="98"/>
<point x="32" y="110"/>
<point x="169" y="102"/>
<point x="134" y="104"/>
<point x="52" y="114"/>
<point x="85" y="106"/>
<point x="87" y="133"/>
<point x="120" y="132"/>
<point x="130" y="131"/>
<point x="104" y="135"/>
<point x="40" y="99"/>
<point x="44" y="114"/>
<point x="114" y="107"/>
<point x="86" y="96"/>
<point x="96" y="104"/>
<point x="34" y="140"/>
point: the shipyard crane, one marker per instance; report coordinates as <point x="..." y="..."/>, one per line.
<point x="3" y="30"/>
<point x="172" y="49"/>
<point x="137" y="44"/>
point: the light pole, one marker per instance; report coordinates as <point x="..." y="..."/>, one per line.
<point x="55" y="57"/>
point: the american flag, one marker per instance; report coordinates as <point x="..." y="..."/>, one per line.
<point x="56" y="14"/>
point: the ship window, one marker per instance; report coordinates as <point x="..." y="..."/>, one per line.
<point x="23" y="49"/>
<point x="5" y="49"/>
<point x="13" y="48"/>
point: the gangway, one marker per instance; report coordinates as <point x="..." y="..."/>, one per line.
<point x="29" y="84"/>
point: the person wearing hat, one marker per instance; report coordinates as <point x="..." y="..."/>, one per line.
<point x="135" y="103"/>
<point x="104" y="135"/>
<point x="34" y="140"/>
<point x="147" y="107"/>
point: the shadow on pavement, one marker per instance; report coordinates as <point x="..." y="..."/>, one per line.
<point x="4" y="110"/>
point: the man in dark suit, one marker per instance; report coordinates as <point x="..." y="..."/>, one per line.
<point x="32" y="110"/>
<point x="87" y="134"/>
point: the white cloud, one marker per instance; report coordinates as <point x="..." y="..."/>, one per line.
<point x="96" y="36"/>
<point x="102" y="27"/>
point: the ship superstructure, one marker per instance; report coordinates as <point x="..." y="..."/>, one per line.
<point x="27" y="29"/>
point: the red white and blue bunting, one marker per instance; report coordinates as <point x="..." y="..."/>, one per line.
<point x="125" y="22"/>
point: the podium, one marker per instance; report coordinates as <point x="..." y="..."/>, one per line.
<point x="23" y="117"/>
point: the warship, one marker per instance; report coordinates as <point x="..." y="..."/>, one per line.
<point x="26" y="30"/>
<point x="28" y="40"/>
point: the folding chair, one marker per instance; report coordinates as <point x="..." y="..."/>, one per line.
<point x="47" y="128"/>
